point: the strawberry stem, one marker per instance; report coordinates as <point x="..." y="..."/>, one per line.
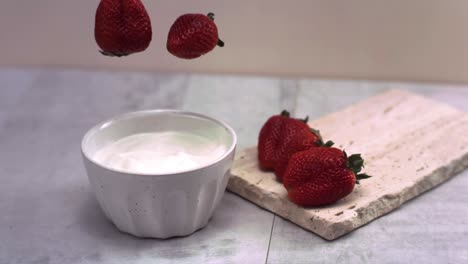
<point x="112" y="54"/>
<point x="320" y="142"/>
<point x="356" y="163"/>
<point x="220" y="42"/>
<point x="305" y="120"/>
<point x="362" y="176"/>
<point x="285" y="113"/>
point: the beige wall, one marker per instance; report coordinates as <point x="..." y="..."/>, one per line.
<point x="375" y="39"/>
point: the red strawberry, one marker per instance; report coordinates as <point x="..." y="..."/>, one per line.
<point x="122" y="27"/>
<point x="304" y="138"/>
<point x="193" y="35"/>
<point x="281" y="137"/>
<point x="321" y="176"/>
<point x="269" y="140"/>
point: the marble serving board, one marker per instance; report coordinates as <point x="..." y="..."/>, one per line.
<point x="410" y="144"/>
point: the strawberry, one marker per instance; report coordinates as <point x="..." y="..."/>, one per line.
<point x="281" y="137"/>
<point x="304" y="139"/>
<point x="321" y="176"/>
<point x="269" y="140"/>
<point x="122" y="27"/>
<point x="193" y="35"/>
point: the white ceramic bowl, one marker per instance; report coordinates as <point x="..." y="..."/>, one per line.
<point x="166" y="205"/>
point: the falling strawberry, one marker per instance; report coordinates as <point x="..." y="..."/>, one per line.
<point x="122" y="27"/>
<point x="193" y="35"/>
<point x="281" y="137"/>
<point x="321" y="176"/>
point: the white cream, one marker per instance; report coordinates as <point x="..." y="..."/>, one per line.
<point x="159" y="153"/>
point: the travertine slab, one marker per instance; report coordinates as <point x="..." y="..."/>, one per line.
<point x="410" y="144"/>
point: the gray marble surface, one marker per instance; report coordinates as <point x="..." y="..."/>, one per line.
<point x="48" y="214"/>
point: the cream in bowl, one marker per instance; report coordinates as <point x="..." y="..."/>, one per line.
<point x="159" y="173"/>
<point x="161" y="152"/>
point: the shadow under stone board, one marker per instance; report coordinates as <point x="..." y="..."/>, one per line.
<point x="398" y="134"/>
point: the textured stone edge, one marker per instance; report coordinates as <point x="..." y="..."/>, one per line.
<point x="377" y="208"/>
<point x="274" y="202"/>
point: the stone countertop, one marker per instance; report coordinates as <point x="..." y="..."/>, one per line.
<point x="49" y="215"/>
